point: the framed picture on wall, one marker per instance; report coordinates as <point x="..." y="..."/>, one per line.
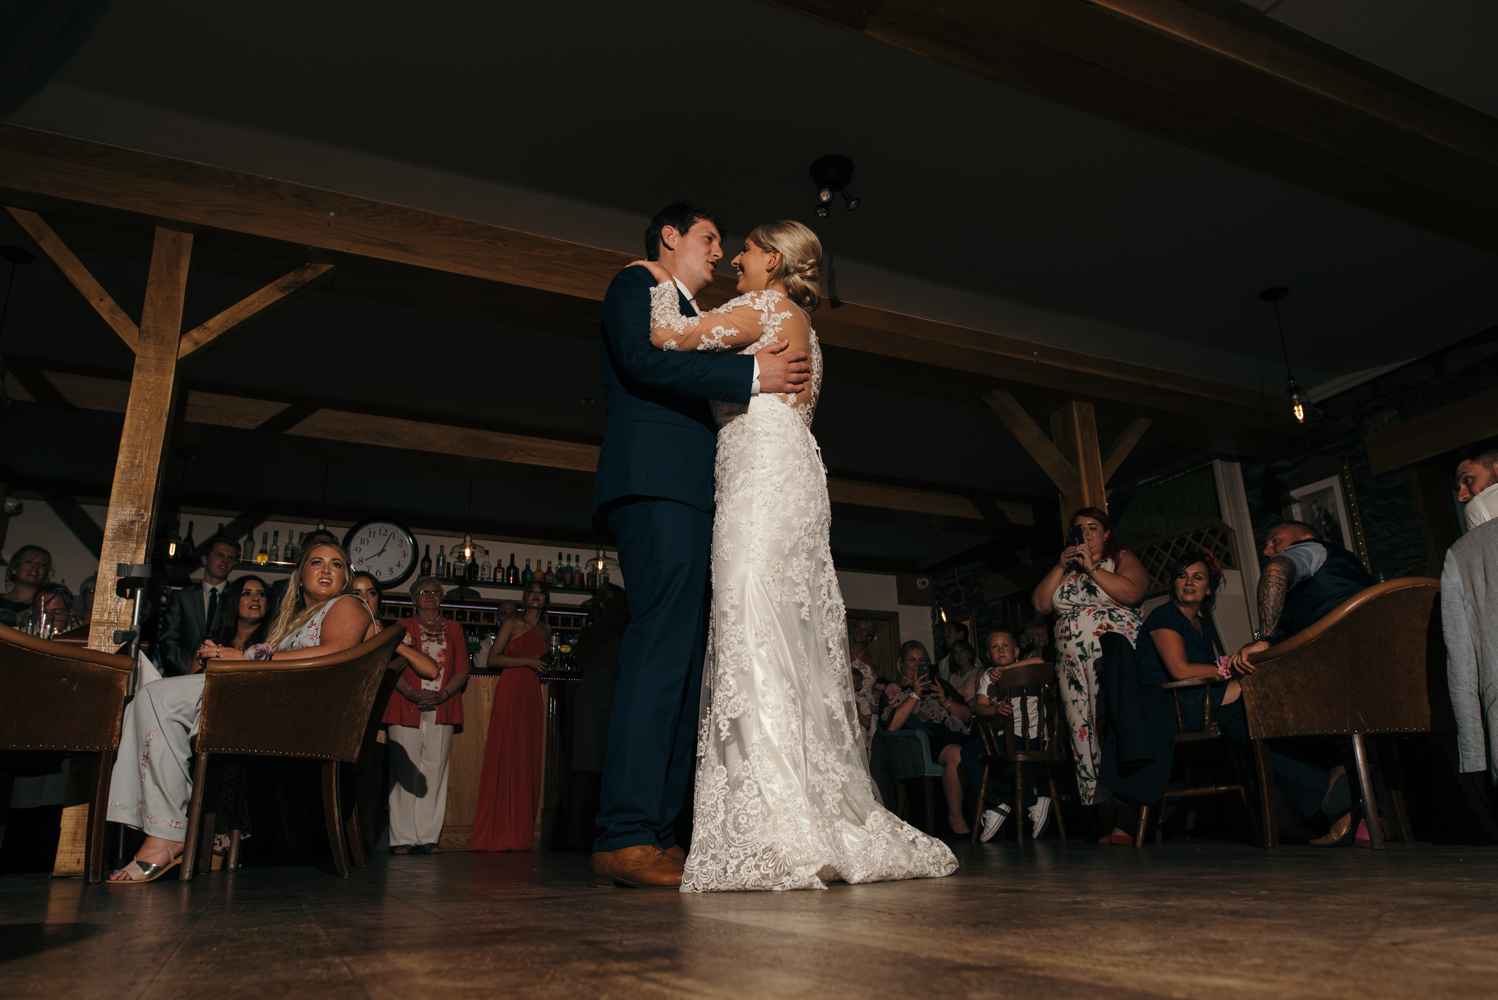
<point x="884" y="643"/>
<point x="1331" y="507"/>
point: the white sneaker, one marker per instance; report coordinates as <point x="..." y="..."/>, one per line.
<point x="992" y="820"/>
<point x="1040" y="817"/>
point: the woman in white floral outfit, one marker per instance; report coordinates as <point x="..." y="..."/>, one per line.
<point x="1095" y="587"/>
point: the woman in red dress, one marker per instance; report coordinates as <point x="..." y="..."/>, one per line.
<point x="510" y="788"/>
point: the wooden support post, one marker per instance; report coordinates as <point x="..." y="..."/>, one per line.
<point x="131" y="521"/>
<point x="1074" y="432"/>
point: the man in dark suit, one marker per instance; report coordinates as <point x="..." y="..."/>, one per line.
<point x="654" y="495"/>
<point x="190" y="612"/>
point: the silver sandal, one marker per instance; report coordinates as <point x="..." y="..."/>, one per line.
<point x="146" y="872"/>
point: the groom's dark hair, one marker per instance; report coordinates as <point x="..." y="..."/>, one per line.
<point x="680" y="216"/>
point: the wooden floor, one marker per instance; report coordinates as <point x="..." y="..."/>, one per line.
<point x="1189" y="919"/>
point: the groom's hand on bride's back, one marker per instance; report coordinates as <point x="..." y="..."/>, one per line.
<point x="782" y="370"/>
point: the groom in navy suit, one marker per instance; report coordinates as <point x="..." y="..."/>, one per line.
<point x="654" y="495"/>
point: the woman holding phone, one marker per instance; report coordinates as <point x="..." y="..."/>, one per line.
<point x="1095" y="587"/>
<point x="924" y="701"/>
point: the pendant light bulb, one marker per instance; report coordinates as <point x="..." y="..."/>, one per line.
<point x="467" y="545"/>
<point x="1297" y="402"/>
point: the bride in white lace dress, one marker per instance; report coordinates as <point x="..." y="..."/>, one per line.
<point x="783" y="797"/>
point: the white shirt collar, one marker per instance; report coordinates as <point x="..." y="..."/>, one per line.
<point x="690" y="297"/>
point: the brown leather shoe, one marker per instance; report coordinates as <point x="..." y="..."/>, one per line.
<point x="675" y="853"/>
<point x="642" y="867"/>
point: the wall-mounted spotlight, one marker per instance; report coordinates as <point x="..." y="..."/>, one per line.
<point x="832" y="174"/>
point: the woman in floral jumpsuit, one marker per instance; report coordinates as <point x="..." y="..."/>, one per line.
<point x="1094" y="588"/>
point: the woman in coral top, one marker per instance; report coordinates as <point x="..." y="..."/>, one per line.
<point x="510" y="788"/>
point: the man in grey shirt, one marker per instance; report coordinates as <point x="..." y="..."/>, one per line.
<point x="1469" y="611"/>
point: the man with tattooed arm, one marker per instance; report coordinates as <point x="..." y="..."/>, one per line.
<point x="1305" y="578"/>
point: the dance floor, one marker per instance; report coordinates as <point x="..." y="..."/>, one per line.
<point x="1189" y="919"/>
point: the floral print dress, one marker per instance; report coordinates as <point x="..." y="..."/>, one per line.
<point x="1084" y="612"/>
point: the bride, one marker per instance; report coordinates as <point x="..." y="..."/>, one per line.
<point x="783" y="795"/>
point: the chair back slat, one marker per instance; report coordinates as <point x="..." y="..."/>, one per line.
<point x="1036" y="685"/>
<point x="315" y="708"/>
<point x="60" y="697"/>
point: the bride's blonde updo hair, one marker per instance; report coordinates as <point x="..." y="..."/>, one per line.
<point x="800" y="259"/>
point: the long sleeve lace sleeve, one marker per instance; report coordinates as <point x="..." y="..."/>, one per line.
<point x="737" y="323"/>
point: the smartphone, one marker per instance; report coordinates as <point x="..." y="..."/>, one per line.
<point x="1074" y="535"/>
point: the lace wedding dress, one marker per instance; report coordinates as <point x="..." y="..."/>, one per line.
<point x="783" y="794"/>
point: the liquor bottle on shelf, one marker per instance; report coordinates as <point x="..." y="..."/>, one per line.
<point x="527" y="576"/>
<point x="512" y="574"/>
<point x="603" y="577"/>
<point x="559" y="578"/>
<point x="426" y="562"/>
<point x="189" y="547"/>
<point x="289" y="553"/>
<point x="574" y="571"/>
<point x="486" y="572"/>
<point x="471" y="572"/>
<point x="441" y="567"/>
<point x="247" y="554"/>
<point x="275" y="548"/>
<point x="551" y="578"/>
<point x="263" y="556"/>
<point x="593" y="571"/>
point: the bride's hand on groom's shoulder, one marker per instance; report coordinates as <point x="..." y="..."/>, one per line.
<point x="658" y="272"/>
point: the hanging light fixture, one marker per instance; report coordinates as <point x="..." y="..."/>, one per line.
<point x="832" y="175"/>
<point x="467" y="535"/>
<point x="1297" y="397"/>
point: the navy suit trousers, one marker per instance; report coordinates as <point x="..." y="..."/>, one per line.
<point x="663" y="553"/>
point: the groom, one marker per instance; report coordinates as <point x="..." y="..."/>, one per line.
<point x="654" y="495"/>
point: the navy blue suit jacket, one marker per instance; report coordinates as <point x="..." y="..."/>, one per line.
<point x="661" y="439"/>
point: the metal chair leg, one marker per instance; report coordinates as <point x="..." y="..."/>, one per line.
<point x="1144" y="818"/>
<point x="194" y="818"/>
<point x="1365" y="785"/>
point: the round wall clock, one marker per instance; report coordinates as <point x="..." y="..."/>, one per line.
<point x="384" y="548"/>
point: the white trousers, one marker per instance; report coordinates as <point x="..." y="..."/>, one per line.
<point x="152" y="779"/>
<point x="418" y="780"/>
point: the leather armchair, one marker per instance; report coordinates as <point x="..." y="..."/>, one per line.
<point x="324" y="708"/>
<point x="62" y="701"/>
<point x="1375" y="664"/>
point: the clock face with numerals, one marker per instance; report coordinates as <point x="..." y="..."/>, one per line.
<point x="383" y="548"/>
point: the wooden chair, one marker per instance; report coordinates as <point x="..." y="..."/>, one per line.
<point x="63" y="701"/>
<point x="1019" y="744"/>
<point x="1196" y="740"/>
<point x="1374" y="664"/>
<point x="315" y="709"/>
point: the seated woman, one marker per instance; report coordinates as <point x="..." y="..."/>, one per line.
<point x="151" y="783"/>
<point x="1001" y="653"/>
<point x="1179" y="647"/>
<point x="926" y="702"/>
<point x="244" y="619"/>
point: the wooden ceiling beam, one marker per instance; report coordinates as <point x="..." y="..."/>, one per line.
<point x="258" y="305"/>
<point x="77" y="275"/>
<point x="546" y="283"/>
<point x="1216" y="76"/>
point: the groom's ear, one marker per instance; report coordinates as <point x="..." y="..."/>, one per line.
<point x="669" y="236"/>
